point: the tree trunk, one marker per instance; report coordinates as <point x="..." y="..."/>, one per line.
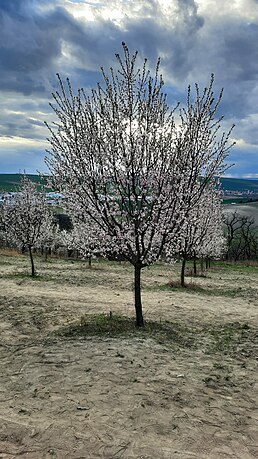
<point x="182" y="279"/>
<point x="194" y="266"/>
<point x="202" y="265"/>
<point x="33" y="272"/>
<point x="137" y="296"/>
<point x="89" y="261"/>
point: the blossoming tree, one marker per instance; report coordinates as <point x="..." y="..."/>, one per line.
<point x="202" y="232"/>
<point x="120" y="159"/>
<point x="27" y="218"/>
<point x="83" y="238"/>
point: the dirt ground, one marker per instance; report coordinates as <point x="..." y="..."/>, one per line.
<point x="133" y="396"/>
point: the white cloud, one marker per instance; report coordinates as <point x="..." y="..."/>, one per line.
<point x="250" y="176"/>
<point x="215" y="10"/>
<point x="9" y="143"/>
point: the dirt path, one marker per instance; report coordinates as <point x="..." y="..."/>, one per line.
<point x="98" y="397"/>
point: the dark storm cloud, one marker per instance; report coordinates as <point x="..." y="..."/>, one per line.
<point x="32" y="39"/>
<point x="241" y="51"/>
<point x="30" y="44"/>
<point x="39" y="38"/>
<point x="228" y="48"/>
<point x="145" y="33"/>
<point x="18" y="125"/>
<point x="241" y="70"/>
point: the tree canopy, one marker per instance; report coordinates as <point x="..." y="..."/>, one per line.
<point x="122" y="160"/>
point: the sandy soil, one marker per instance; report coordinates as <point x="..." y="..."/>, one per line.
<point x="133" y="397"/>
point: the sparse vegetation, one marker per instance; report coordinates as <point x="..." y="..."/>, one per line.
<point x="228" y="339"/>
<point x="193" y="287"/>
<point x="113" y="325"/>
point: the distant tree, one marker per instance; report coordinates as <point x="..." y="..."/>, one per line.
<point x="2" y="223"/>
<point x="50" y="239"/>
<point x="83" y="238"/>
<point x="2" y="227"/>
<point x="27" y="218"/>
<point x="242" y="236"/>
<point x="119" y="158"/>
<point x="202" y="232"/>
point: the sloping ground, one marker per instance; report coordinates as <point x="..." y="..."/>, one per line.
<point x="191" y="393"/>
<point x="247" y="210"/>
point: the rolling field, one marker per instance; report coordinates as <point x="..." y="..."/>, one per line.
<point x="78" y="381"/>
<point x="249" y="210"/>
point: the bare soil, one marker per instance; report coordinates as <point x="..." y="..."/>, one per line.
<point x="193" y="395"/>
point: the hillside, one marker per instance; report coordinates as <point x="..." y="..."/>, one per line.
<point x="243" y="185"/>
<point x="9" y="182"/>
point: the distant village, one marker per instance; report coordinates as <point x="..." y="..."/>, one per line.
<point x="245" y="193"/>
<point x="55" y="198"/>
<point x="241" y="195"/>
<point x="52" y="197"/>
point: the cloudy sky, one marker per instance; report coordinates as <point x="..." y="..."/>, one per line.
<point x="193" y="38"/>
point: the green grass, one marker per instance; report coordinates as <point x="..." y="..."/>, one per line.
<point x="114" y="326"/>
<point x="242" y="267"/>
<point x="234" y="338"/>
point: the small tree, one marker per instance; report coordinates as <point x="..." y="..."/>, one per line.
<point x="27" y="218"/>
<point x="202" y="232"/>
<point x="119" y="158"/>
<point x="83" y="238"/>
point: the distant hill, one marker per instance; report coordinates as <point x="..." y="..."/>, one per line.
<point x="10" y="182"/>
<point x="232" y="184"/>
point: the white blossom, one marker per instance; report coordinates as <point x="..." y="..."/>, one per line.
<point x="121" y="162"/>
<point x="27" y="218"/>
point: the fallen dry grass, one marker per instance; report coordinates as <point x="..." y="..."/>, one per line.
<point x="78" y="381"/>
